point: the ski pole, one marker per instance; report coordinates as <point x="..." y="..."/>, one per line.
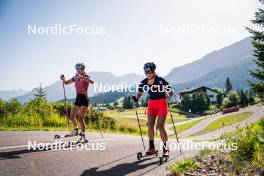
<point x="96" y="120"/>
<point x="99" y="129"/>
<point x="140" y="129"/>
<point x="174" y="125"/>
<point x="65" y="103"/>
<point x="97" y="123"/>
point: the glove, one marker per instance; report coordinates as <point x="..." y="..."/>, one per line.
<point x="62" y="77"/>
<point x="134" y="98"/>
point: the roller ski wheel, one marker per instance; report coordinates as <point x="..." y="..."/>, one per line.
<point x="139" y="155"/>
<point x="164" y="158"/>
<point x="56" y="136"/>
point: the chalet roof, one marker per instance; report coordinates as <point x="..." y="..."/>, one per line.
<point x="189" y="90"/>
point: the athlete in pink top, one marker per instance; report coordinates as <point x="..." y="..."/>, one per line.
<point x="81" y="85"/>
<point x="82" y="81"/>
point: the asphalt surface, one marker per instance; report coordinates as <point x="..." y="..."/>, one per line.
<point x="118" y="158"/>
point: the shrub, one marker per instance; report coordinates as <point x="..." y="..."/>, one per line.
<point x="196" y="102"/>
<point x="97" y="117"/>
<point x="59" y="107"/>
<point x="231" y="100"/>
<point x="39" y="106"/>
<point x="55" y="121"/>
<point x="21" y="120"/>
<point x="250" y="146"/>
<point x="183" y="166"/>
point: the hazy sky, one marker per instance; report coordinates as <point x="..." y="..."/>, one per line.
<point x="135" y="32"/>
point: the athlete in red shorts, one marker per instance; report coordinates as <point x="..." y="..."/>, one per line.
<point x="159" y="90"/>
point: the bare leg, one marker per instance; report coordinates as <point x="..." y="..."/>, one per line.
<point x="82" y="114"/>
<point x="151" y="124"/>
<point x="74" y="113"/>
<point x="161" y="127"/>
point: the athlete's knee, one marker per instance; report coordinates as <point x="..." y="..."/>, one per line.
<point x="151" y="126"/>
<point x="161" y="127"/>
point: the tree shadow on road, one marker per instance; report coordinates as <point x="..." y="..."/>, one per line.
<point x="119" y="170"/>
<point x="15" y="154"/>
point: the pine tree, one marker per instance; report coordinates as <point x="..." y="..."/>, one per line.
<point x="243" y="98"/>
<point x="258" y="52"/>
<point x="228" y="85"/>
<point x="41" y="94"/>
<point x="127" y="104"/>
<point x="115" y="104"/>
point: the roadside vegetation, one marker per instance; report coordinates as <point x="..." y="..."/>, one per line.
<point x="184" y="166"/>
<point x="247" y="159"/>
<point x="39" y="114"/>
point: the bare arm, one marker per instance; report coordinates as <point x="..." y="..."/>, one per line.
<point x="169" y="91"/>
<point x="139" y="94"/>
<point x="66" y="82"/>
<point x="88" y="80"/>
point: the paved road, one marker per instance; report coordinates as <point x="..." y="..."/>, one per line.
<point x="119" y="158"/>
<point x="204" y="123"/>
<point x="258" y="114"/>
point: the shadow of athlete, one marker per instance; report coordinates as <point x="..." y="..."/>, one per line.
<point x="17" y="153"/>
<point x="119" y="170"/>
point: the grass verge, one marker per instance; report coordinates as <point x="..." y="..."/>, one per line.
<point x="185" y="126"/>
<point x="224" y="121"/>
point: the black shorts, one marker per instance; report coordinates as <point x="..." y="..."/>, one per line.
<point x="81" y="100"/>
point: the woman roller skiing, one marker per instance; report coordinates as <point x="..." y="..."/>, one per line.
<point x="82" y="81"/>
<point x="159" y="91"/>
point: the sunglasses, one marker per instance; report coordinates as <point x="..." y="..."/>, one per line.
<point x="148" y="72"/>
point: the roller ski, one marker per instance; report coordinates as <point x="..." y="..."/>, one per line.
<point x="73" y="133"/>
<point x="150" y="152"/>
<point x="82" y="141"/>
<point x="164" y="158"/>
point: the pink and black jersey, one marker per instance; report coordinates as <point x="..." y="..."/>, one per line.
<point x="80" y="85"/>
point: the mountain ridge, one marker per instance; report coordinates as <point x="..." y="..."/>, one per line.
<point x="219" y="58"/>
<point x="211" y="70"/>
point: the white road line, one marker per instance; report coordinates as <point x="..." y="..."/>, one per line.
<point x="13" y="147"/>
<point x="25" y="146"/>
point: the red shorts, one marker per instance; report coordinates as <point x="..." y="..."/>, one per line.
<point x="157" y="107"/>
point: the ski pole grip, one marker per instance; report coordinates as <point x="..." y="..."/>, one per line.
<point x="62" y="77"/>
<point x="134" y="98"/>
